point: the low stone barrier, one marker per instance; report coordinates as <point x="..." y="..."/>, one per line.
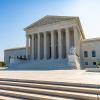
<point x="92" y="69"/>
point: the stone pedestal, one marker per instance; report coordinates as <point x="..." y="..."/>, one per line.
<point x="73" y="61"/>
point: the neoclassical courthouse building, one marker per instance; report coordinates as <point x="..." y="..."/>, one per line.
<point x="48" y="42"/>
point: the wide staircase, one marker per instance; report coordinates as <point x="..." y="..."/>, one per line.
<point x="19" y="89"/>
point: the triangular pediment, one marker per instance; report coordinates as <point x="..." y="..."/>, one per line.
<point x="49" y="20"/>
<point x="53" y="19"/>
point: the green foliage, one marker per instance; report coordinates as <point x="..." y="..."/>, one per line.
<point x="98" y="65"/>
<point x="2" y="64"/>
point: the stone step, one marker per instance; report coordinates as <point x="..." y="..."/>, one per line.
<point x="14" y="95"/>
<point x="53" y="87"/>
<point x="46" y="92"/>
<point x="51" y="83"/>
<point x="8" y="98"/>
<point x="50" y="88"/>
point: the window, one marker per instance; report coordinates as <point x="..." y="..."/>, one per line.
<point x="93" y="54"/>
<point x="85" y="54"/>
<point x="94" y="63"/>
<point x="86" y="63"/>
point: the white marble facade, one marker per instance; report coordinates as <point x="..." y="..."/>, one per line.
<point x="51" y="37"/>
<point x="52" y="40"/>
<point x="49" y="40"/>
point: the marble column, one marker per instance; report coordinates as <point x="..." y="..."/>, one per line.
<point x="33" y="46"/>
<point x="38" y="46"/>
<point x="59" y="44"/>
<point x="41" y="46"/>
<point x="45" y="49"/>
<point x="67" y="41"/>
<point x="76" y="39"/>
<point x="27" y="46"/>
<point x="30" y="46"/>
<point x="52" y="44"/>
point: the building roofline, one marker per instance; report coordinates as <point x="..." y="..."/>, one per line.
<point x="91" y="39"/>
<point x="49" y="16"/>
<point x="15" y="48"/>
<point x="69" y="17"/>
<point x="80" y="25"/>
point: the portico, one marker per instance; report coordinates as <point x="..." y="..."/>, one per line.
<point x="54" y="44"/>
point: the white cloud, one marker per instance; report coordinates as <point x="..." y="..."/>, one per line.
<point x="89" y="13"/>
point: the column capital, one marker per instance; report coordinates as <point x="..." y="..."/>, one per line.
<point x="75" y="29"/>
<point x="26" y="35"/>
<point x="45" y="32"/>
<point x="32" y="34"/>
<point x="59" y="30"/>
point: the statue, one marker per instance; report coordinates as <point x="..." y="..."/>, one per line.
<point x="72" y="51"/>
<point x="73" y="58"/>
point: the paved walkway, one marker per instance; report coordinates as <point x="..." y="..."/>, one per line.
<point x="77" y="76"/>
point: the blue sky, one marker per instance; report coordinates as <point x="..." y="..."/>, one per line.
<point x="17" y="14"/>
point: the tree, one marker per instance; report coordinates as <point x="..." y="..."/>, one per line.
<point x="98" y="65"/>
<point x="2" y="64"/>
